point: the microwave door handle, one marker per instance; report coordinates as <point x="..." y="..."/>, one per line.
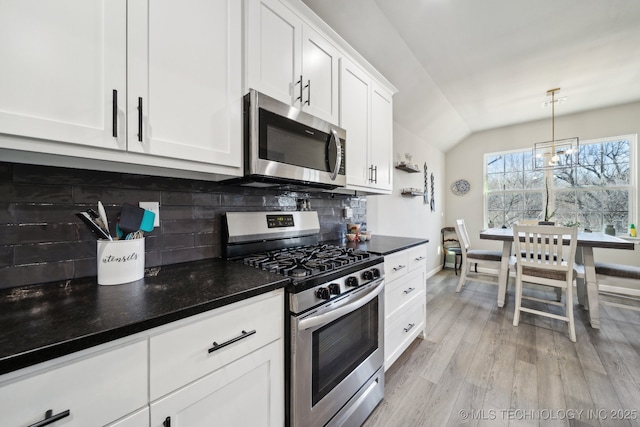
<point x="330" y="316"/>
<point x="338" y="145"/>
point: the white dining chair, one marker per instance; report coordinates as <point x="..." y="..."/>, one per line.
<point x="484" y="258"/>
<point x="555" y="268"/>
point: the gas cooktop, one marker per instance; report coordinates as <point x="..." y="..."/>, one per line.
<point x="305" y="261"/>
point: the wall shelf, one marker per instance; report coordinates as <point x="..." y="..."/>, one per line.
<point x="408" y="167"/>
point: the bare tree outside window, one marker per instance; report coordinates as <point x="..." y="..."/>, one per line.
<point x="591" y="195"/>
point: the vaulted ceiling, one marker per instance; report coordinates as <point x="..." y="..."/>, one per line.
<point x="463" y="66"/>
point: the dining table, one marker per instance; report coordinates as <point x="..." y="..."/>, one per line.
<point x="586" y="282"/>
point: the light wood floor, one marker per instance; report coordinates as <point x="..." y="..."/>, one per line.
<point x="476" y="368"/>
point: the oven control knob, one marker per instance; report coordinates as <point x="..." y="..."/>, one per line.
<point x="323" y="293"/>
<point x="375" y="272"/>
<point x="367" y="275"/>
<point x="351" y="281"/>
<point x="334" y="288"/>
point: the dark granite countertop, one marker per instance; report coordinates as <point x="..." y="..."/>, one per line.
<point x="41" y="322"/>
<point x="382" y="245"/>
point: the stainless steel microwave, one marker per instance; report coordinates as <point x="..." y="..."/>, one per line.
<point x="284" y="145"/>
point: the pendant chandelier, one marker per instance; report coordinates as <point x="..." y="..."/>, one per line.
<point x="555" y="154"/>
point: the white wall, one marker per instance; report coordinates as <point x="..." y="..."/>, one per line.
<point x="397" y="215"/>
<point x="465" y="160"/>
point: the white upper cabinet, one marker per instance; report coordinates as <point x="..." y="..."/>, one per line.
<point x="355" y="101"/>
<point x="290" y="61"/>
<point x="185" y="88"/>
<point x="63" y="76"/>
<point x="382" y="138"/>
<point x="150" y="83"/>
<point x="366" y="113"/>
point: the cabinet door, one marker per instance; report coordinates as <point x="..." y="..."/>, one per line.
<point x="382" y="138"/>
<point x="320" y="76"/>
<point x="95" y="390"/>
<point x="247" y="392"/>
<point x="184" y="74"/>
<point x="61" y="62"/>
<point x="274" y="34"/>
<point x="354" y="118"/>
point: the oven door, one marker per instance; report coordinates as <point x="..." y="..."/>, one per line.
<point x="336" y="350"/>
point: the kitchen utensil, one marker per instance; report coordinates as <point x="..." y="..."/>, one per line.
<point x="148" y="218"/>
<point x="93" y="226"/>
<point x="103" y="219"/>
<point x="131" y="218"/>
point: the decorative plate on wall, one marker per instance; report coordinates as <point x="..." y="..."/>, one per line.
<point x="460" y="187"/>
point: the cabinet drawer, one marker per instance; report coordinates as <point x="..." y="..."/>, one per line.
<point x="417" y="257"/>
<point x="187" y="352"/>
<point x="401" y="292"/>
<point x="96" y="389"/>
<point x="395" y="265"/>
<point x="403" y="330"/>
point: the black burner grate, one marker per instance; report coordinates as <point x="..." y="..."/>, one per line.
<point x="304" y="261"/>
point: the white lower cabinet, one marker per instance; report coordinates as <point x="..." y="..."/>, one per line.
<point x="405" y="300"/>
<point x="247" y="392"/>
<point x="96" y="390"/>
<point x="224" y="367"/>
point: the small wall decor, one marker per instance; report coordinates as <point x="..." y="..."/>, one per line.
<point x="426" y="184"/>
<point x="433" y="199"/>
<point x="460" y="187"/>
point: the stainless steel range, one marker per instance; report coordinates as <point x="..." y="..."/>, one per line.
<point x="335" y="314"/>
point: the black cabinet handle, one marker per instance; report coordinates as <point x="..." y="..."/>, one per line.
<point x="308" y="87"/>
<point x="244" y="334"/>
<point x="140" y="119"/>
<point x="375" y="170"/>
<point x="49" y="418"/>
<point x="299" y="82"/>
<point x="371" y="173"/>
<point x="409" y="327"/>
<point x="114" y="114"/>
<point x="166" y="422"/>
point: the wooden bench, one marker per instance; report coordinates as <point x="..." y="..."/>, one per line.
<point x="618" y="274"/>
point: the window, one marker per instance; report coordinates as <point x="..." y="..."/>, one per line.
<point x="600" y="191"/>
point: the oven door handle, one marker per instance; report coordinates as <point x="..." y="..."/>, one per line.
<point x="330" y="316"/>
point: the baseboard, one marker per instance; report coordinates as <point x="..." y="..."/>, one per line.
<point x="434" y="271"/>
<point x="619" y="290"/>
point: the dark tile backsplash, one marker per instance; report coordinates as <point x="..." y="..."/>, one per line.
<point x="41" y="240"/>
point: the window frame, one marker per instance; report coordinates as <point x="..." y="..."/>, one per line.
<point x="632" y="186"/>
